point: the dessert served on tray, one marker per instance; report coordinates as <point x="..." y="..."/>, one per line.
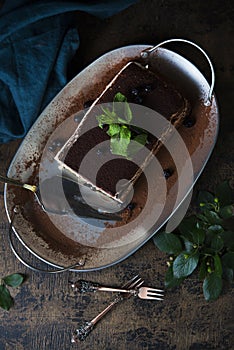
<point x="109" y="132"/>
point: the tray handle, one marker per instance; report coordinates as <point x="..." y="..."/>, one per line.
<point x="23" y="261"/>
<point x="145" y="53"/>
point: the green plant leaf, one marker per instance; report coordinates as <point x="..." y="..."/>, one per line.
<point x="186" y="226"/>
<point x="224" y="193"/>
<point x="212" y="286"/>
<point x="228" y="260"/>
<point x="212" y="217"/>
<point x="203" y="270"/>
<point x="226" y="212"/>
<point x="228" y="224"/>
<point x="203" y="218"/>
<point x="6" y="301"/>
<point x="170" y="280"/>
<point x="205" y="197"/>
<point x="168" y="242"/>
<point x="185" y="264"/>
<point x="189" y="246"/>
<point x="190" y="231"/>
<point x="215" y="229"/>
<point x="198" y="235"/>
<point x="218" y="265"/>
<point x="228" y="239"/>
<point x="228" y="274"/>
<point x="14" y="280"/>
<point x="217" y="243"/>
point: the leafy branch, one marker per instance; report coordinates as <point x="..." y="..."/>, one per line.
<point x="14" y="280"/>
<point x="203" y="242"/>
<point x="118" y="121"/>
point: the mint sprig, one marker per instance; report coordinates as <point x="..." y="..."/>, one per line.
<point x="14" y="280"/>
<point x="118" y="119"/>
<point x="203" y="242"/>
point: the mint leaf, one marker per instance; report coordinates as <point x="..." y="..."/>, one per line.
<point x="168" y="242"/>
<point x="125" y="136"/>
<point x="136" y="144"/>
<point x="212" y="286"/>
<point x="113" y="130"/>
<point x="119" y="131"/>
<point x="6" y="301"/>
<point x="120" y="97"/>
<point x="119" y="143"/>
<point x="13" y="280"/>
<point x="122" y="110"/>
<point x="107" y="117"/>
<point x="127" y="112"/>
<point x="185" y="264"/>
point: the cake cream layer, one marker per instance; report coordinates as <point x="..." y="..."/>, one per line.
<point x="141" y="87"/>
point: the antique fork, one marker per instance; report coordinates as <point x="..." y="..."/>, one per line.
<point x="83" y="286"/>
<point x="83" y="331"/>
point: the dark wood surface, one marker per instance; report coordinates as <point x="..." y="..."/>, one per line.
<point x="46" y="310"/>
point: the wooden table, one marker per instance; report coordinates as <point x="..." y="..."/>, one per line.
<point x="46" y="310"/>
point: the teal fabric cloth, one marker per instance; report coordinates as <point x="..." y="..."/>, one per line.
<point x="37" y="41"/>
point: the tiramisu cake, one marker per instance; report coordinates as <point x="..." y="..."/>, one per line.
<point x="106" y="130"/>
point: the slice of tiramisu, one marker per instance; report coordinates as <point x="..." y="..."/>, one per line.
<point x="108" y="128"/>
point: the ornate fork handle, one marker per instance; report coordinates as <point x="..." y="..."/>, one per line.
<point x="83" y="286"/>
<point x="83" y="331"/>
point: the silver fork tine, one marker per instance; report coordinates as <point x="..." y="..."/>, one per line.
<point x="131" y="281"/>
<point x="155" y="290"/>
<point x="136" y="284"/>
<point x="153" y="298"/>
<point x="153" y="293"/>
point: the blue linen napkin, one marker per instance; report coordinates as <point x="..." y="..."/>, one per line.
<point x="37" y="41"/>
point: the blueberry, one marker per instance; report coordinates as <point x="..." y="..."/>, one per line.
<point x="131" y="206"/>
<point x="188" y="122"/>
<point x="135" y="92"/>
<point x="87" y="104"/>
<point x="147" y="88"/>
<point x="167" y="173"/>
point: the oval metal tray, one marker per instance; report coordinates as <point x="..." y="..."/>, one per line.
<point x="61" y="249"/>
